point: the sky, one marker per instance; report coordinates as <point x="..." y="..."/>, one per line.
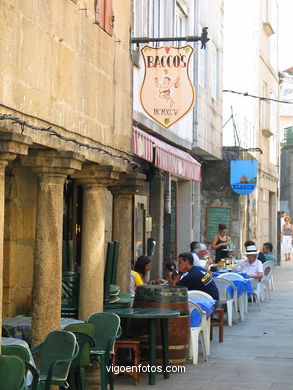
<point x="285" y="34"/>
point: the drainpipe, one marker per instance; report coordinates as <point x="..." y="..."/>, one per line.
<point x="195" y="75"/>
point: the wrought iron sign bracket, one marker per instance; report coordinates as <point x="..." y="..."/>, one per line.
<point x="203" y="39"/>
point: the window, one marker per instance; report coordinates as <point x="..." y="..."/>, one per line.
<point x="104" y="15"/>
<point x="156" y="18"/>
<point x="141" y="10"/>
<point x="180" y="21"/>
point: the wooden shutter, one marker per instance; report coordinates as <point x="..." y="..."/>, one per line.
<point x="108" y="17"/>
<point x="100" y="13"/>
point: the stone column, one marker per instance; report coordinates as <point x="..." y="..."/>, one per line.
<point x="10" y="145"/>
<point x="122" y="223"/>
<point x="94" y="179"/>
<point x="52" y="169"/>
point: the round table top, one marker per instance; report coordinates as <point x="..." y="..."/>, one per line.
<point x="146" y="312"/>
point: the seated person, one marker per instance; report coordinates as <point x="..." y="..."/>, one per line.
<point x="260" y="255"/>
<point x="170" y="267"/>
<point x="135" y="280"/>
<point x="268" y="252"/>
<point x="197" y="278"/>
<point x="194" y="255"/>
<point x="204" y="256"/>
<point x="138" y="275"/>
<point x="143" y="266"/>
<point x="251" y="265"/>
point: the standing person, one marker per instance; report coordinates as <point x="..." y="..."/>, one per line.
<point x="219" y="243"/>
<point x="197" y="278"/>
<point x="286" y="238"/>
<point x="283" y="215"/>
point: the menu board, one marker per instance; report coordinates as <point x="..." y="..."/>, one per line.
<point x="216" y="215"/>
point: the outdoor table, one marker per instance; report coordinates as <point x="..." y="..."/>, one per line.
<point x="206" y="305"/>
<point x="225" y="270"/>
<point x="243" y="286"/>
<point x="20" y="326"/>
<point x="15" y="341"/>
<point x="153" y="315"/>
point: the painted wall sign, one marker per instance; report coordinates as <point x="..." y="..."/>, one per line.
<point x="243" y="176"/>
<point x="167" y="93"/>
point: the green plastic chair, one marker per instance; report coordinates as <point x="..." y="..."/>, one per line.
<point x="115" y="262"/>
<point x="85" y="335"/>
<point x="23" y="354"/>
<point x="57" y="352"/>
<point x="108" y="271"/>
<point x="15" y="350"/>
<point x="12" y="373"/>
<point x="113" y="297"/>
<point x="107" y="326"/>
<point x="5" y="332"/>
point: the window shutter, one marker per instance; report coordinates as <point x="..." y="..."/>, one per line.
<point x="109" y="19"/>
<point x="100" y="13"/>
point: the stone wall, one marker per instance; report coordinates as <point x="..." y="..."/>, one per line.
<point x="58" y="65"/>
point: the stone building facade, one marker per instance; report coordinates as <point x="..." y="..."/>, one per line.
<point x="66" y="121"/>
<point x="251" y="122"/>
<point x="173" y="200"/>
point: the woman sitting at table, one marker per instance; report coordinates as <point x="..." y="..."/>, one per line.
<point x="138" y="274"/>
<point x="219" y="243"/>
<point x="142" y="267"/>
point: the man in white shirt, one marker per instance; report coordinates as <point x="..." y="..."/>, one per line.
<point x="204" y="256"/>
<point x="194" y="255"/>
<point x="252" y="266"/>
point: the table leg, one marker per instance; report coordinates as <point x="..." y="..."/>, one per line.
<point x="152" y="350"/>
<point x="165" y="345"/>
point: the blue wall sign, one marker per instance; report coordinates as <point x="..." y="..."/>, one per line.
<point x="243" y="176"/>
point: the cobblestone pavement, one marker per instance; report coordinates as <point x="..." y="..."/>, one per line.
<point x="255" y="354"/>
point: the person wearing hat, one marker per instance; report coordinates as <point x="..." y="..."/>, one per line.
<point x="260" y="255"/>
<point x="251" y="265"/>
<point x="286" y="238"/>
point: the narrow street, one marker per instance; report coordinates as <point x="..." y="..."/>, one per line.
<point x="255" y="354"/>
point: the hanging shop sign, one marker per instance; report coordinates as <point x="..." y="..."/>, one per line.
<point x="243" y="176"/>
<point x="167" y="93"/>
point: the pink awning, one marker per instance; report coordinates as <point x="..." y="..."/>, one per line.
<point x="167" y="157"/>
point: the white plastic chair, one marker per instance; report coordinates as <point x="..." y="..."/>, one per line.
<point x="206" y="324"/>
<point x="197" y="334"/>
<point x="257" y="293"/>
<point x="226" y="298"/>
<point x="242" y="300"/>
<point x="199" y="293"/>
<point x="267" y="281"/>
